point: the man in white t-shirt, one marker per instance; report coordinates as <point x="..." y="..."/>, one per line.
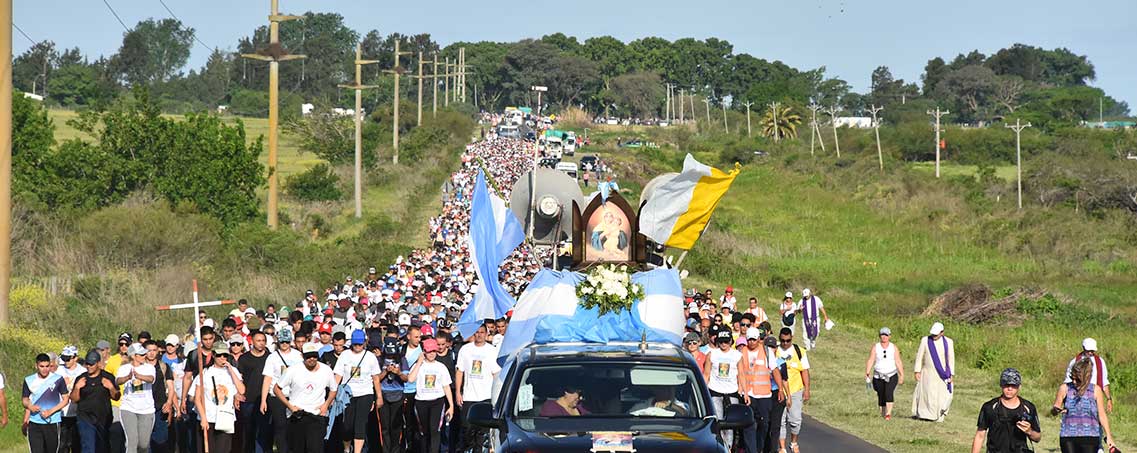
<point x="361" y="370"/>
<point x="477" y="366"/>
<point x="285" y="357"/>
<point x="307" y="392"/>
<point x="723" y="379"/>
<point x="69" y="370"/>
<point x="137" y="403"/>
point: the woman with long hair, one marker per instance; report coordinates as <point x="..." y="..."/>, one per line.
<point x="1083" y="412"/>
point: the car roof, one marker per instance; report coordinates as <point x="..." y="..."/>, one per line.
<point x="655" y="352"/>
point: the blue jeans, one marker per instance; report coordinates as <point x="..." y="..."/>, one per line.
<point x="92" y="437"/>
<point x="160" y="437"/>
<point x="256" y="428"/>
<point x="757" y="433"/>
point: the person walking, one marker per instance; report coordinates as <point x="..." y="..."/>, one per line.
<point x="137" y="406"/>
<point x="394" y="375"/>
<point x="723" y="379"/>
<point x="477" y="367"/>
<point x="163" y="391"/>
<point x="44" y="396"/>
<point x="757" y="311"/>
<point x="70" y="368"/>
<point x="885" y="370"/>
<point x="693" y="342"/>
<point x="812" y="310"/>
<point x="788" y="309"/>
<point x="256" y="426"/>
<point x="935" y="365"/>
<point x="358" y="370"/>
<point x="793" y="364"/>
<point x="1007" y="421"/>
<point x="1084" y="417"/>
<point x="92" y="394"/>
<point x="307" y="391"/>
<point x="215" y="393"/>
<point x="757" y="371"/>
<point x="279" y="362"/>
<point x="1099" y="373"/>
<point x="432" y="384"/>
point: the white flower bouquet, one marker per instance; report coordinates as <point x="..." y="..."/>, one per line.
<point x="610" y="288"/>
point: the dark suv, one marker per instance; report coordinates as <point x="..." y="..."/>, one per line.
<point x="580" y="397"/>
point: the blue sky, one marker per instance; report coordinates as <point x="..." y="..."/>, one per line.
<point x="849" y="37"/>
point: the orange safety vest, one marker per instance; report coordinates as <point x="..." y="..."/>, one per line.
<point x="756" y="377"/>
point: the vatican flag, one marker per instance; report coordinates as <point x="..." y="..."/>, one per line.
<point x="678" y="212"/>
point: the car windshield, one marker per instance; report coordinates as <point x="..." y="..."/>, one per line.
<point x="608" y="390"/>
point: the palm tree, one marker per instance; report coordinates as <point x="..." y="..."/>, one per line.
<point x="787" y="122"/>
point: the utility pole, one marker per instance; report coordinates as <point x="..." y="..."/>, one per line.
<point x="667" y="103"/>
<point x="358" y="86"/>
<point x="774" y="111"/>
<point x="833" y="111"/>
<point x="681" y="118"/>
<point x="876" y="129"/>
<point x="446" y="84"/>
<point x="707" y="102"/>
<point x="937" y="113"/>
<point x="539" y="90"/>
<point x="725" y="127"/>
<point x="5" y="158"/>
<point x="748" y="104"/>
<point x="815" y="131"/>
<point x="462" y="56"/>
<point x="434" y="83"/>
<point x="419" y="77"/>
<point x="1018" y="128"/>
<point x="273" y="54"/>
<point x="398" y="71"/>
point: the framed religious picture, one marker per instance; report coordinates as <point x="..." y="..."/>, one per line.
<point x="607" y="231"/>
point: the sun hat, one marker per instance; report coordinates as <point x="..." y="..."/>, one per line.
<point x="1089" y="344"/>
<point x="886" y="331"/>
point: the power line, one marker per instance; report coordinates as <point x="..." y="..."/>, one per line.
<point x="175" y="16"/>
<point x="120" y="22"/>
<point x="34" y="42"/>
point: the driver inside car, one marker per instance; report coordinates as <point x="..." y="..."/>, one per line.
<point x="662" y="399"/>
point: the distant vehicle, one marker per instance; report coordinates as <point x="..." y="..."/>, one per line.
<point x="612" y="121"/>
<point x="515" y="117"/>
<point x="760" y="153"/>
<point x="508" y="131"/>
<point x="570" y="147"/>
<point x="554" y="146"/>
<point x="531" y="135"/>
<point x="588" y="163"/>
<point x="571" y="136"/>
<point x="568" y="168"/>
<point x="637" y="143"/>
<point x="548" y="162"/>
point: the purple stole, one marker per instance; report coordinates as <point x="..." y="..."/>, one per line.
<point x="943" y="369"/>
<point x="810" y="315"/>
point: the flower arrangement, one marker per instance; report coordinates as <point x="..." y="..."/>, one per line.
<point x="610" y="288"/>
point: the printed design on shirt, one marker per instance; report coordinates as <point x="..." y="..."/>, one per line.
<point x="220" y="395"/>
<point x="355" y="373"/>
<point x="724" y="370"/>
<point x="429" y="381"/>
<point x="476" y="368"/>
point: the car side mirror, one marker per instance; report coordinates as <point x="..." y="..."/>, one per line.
<point x="481" y="415"/>
<point x="737" y="416"/>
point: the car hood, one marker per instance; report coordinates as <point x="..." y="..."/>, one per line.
<point x="702" y="439"/>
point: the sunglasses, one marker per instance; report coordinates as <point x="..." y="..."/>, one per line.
<point x="787" y="340"/>
<point x="745" y="325"/>
<point x="692" y="342"/>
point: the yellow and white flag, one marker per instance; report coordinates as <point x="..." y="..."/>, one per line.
<point x="678" y="212"/>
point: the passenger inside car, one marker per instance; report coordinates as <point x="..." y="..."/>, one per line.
<point x="567" y="405"/>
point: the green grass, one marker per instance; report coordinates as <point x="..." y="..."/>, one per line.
<point x="1006" y="172"/>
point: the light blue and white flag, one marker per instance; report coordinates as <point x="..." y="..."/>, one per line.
<point x="549" y="312"/>
<point x="494" y="234"/>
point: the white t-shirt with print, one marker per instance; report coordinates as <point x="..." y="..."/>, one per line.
<point x="431" y="381"/>
<point x="278" y="362"/>
<point x="69" y="377"/>
<point x="307" y="389"/>
<point x="137" y="396"/>
<point x="724" y="370"/>
<point x="357" y="372"/>
<point x="478" y="365"/>
<point x="219" y="388"/>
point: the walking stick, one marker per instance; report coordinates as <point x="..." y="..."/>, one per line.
<point x="200" y="367"/>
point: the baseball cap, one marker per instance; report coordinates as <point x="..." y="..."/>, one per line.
<point x="886" y="331"/>
<point x="125" y="336"/>
<point x="358" y="337"/>
<point x="753" y="333"/>
<point x="309" y="293"/>
<point x="371" y="270"/>
<point x="326" y="328"/>
<point x="404" y="319"/>
<point x="1089" y="344"/>
<point x="93" y="357"/>
<point x="69" y="351"/>
<point x="937" y="328"/>
<point x="723" y="336"/>
<point x="1010" y="376"/>
<point x="137" y="349"/>
<point x="237" y="339"/>
<point x="430" y="345"/>
<point x="284" y="335"/>
<point x="806" y="292"/>
<point x="692" y="336"/>
<point x="790" y="294"/>
<point x="103" y="344"/>
<point x="311" y="350"/>
<point x="427" y="330"/>
<point x="173" y="339"/>
<point x="730" y="289"/>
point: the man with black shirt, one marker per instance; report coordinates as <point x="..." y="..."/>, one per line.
<point x="329" y="357"/>
<point x="92" y="394"/>
<point x="207" y="338"/>
<point x="447" y="356"/>
<point x="392" y="385"/>
<point x="1007" y="421"/>
<point x="163" y="399"/>
<point x="256" y="427"/>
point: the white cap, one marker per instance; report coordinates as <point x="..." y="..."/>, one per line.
<point x="937" y="329"/>
<point x="173" y="339"/>
<point x="692" y="307"/>
<point x="497" y="339"/>
<point x="1089" y="344"/>
<point x="404" y="319"/>
<point x="805" y="292"/>
<point x="753" y="333"/>
<point x="790" y="294"/>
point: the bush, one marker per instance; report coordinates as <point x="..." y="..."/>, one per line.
<point x="28" y="298"/>
<point x="415" y="145"/>
<point x="149" y="236"/>
<point x="318" y="183"/>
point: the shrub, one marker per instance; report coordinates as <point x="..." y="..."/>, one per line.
<point x="149" y="236"/>
<point x="28" y="298"/>
<point x="318" y="183"/>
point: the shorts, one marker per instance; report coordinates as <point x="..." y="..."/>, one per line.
<point x="355" y="416"/>
<point x="885" y="389"/>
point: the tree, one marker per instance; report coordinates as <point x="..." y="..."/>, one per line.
<point x="331" y="137"/>
<point x="75" y="84"/>
<point x="786" y="124"/>
<point x="567" y="44"/>
<point x="934" y="72"/>
<point x="1007" y="91"/>
<point x="33" y="68"/>
<point x="153" y="51"/>
<point x="329" y="45"/>
<point x="639" y="94"/>
<point x="970" y="88"/>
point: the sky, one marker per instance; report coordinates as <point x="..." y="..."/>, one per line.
<point x="849" y="37"/>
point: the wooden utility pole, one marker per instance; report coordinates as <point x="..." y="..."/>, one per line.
<point x="815" y="129"/>
<point x="725" y="127"/>
<point x="358" y="86"/>
<point x="446" y="84"/>
<point x="774" y="112"/>
<point x="748" y="104"/>
<point x="273" y="54"/>
<point x="833" y="111"/>
<point x="462" y="72"/>
<point x="5" y="158"/>
<point x="937" y="113"/>
<point x="398" y="71"/>
<point x="707" y="102"/>
<point x="1018" y="128"/>
<point x="876" y="129"/>
<point x="681" y="116"/>
<point x="419" y="77"/>
<point x="434" y="84"/>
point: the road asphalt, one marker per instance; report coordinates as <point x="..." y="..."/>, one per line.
<point x="817" y="437"/>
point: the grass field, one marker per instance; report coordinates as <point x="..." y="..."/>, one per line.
<point x="1006" y="172"/>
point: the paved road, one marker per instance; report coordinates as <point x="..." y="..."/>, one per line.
<point x="817" y="437"/>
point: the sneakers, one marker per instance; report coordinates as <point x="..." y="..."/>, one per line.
<point x="793" y="447"/>
<point x="887" y="417"/>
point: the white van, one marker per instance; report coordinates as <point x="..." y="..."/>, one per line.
<point x="569" y="168"/>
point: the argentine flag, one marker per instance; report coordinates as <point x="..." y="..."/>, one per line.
<point x="494" y="233"/>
